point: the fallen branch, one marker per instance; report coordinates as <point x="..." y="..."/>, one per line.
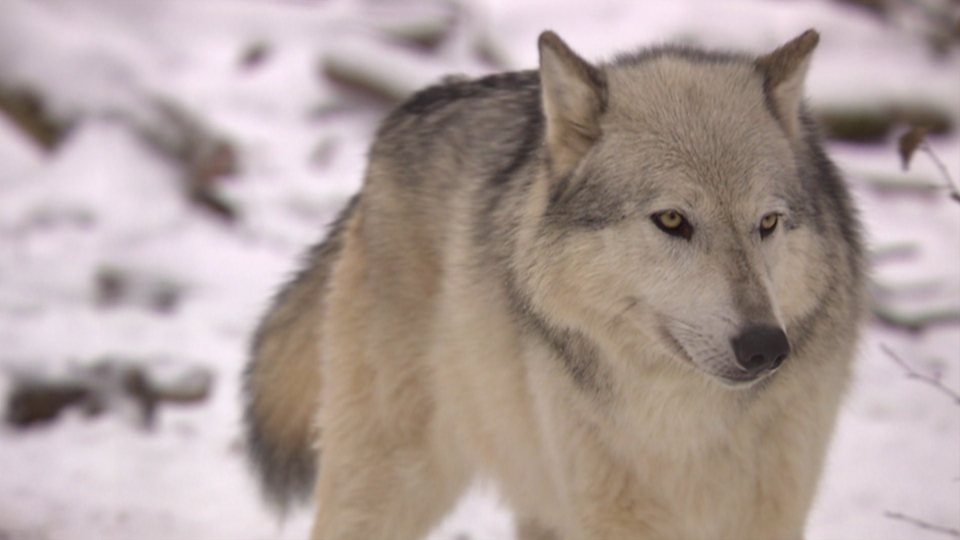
<point x="894" y="252"/>
<point x="914" y="323"/>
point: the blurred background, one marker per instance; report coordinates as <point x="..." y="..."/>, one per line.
<point x="163" y="164"/>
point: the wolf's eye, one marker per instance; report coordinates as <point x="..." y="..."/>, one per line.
<point x="768" y="224"/>
<point x="673" y="223"/>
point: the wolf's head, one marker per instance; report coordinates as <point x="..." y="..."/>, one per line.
<point x="675" y="215"/>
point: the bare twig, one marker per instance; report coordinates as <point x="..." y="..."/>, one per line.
<point x="948" y="180"/>
<point x="923" y="524"/>
<point x="914" y="374"/>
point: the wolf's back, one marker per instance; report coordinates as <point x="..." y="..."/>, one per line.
<point x="282" y="382"/>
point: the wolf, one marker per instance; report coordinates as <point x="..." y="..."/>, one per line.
<point x="627" y="293"/>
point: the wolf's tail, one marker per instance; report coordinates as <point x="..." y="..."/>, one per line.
<point x="282" y="382"/>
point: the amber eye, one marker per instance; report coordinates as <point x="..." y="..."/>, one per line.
<point x="673" y="223"/>
<point x="768" y="224"/>
<point x="670" y="219"/>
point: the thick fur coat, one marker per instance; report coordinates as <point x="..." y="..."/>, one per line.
<point x="627" y="293"/>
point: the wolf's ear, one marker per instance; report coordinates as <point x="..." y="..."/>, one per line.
<point x="574" y="97"/>
<point x="784" y="71"/>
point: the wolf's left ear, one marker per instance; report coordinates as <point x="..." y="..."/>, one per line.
<point x="574" y="97"/>
<point x="784" y="71"/>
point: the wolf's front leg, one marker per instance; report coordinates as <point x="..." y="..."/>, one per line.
<point x="532" y="529"/>
<point x="382" y="492"/>
<point x="387" y="470"/>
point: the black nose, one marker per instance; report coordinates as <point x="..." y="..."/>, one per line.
<point x="761" y="347"/>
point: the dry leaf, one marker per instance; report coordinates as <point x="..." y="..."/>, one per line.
<point x="909" y="142"/>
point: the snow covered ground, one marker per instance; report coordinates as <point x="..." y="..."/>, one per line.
<point x="105" y="202"/>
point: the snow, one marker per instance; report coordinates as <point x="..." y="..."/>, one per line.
<point x="20" y="153"/>
<point x="106" y="200"/>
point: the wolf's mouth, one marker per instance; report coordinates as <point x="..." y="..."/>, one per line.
<point x="743" y="379"/>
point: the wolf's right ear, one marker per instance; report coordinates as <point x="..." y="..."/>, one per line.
<point x="784" y="71"/>
<point x="574" y="97"/>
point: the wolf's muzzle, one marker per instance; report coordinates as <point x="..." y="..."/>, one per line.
<point x="760" y="348"/>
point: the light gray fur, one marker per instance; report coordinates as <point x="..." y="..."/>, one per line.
<point x="499" y="301"/>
